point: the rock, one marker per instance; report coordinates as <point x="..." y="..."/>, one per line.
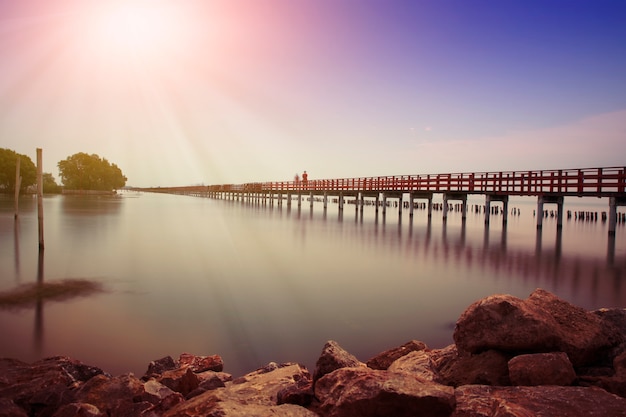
<point x="79" y="410"/>
<point x="616" y="317"/>
<point x="182" y="380"/>
<point x="43" y="385"/>
<point x="541" y="369"/>
<point x="541" y="323"/>
<point x="125" y="395"/>
<point x="486" y="401"/>
<point x="253" y="394"/>
<point x="299" y="394"/>
<point x="159" y="366"/>
<point x="209" y="381"/>
<point x="386" y="358"/>
<point x="417" y="363"/>
<point x="487" y="368"/>
<point x="615" y="382"/>
<point x="365" y="392"/>
<point x="9" y="409"/>
<point x="333" y="357"/>
<point x="228" y="408"/>
<point x="201" y="363"/>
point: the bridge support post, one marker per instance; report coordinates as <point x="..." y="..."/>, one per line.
<point x="410" y="204"/>
<point x="362" y="203"/>
<point x="340" y="201"/>
<point x="505" y="214"/>
<point x="288" y="200"/>
<point x="377" y="203"/>
<point x="299" y="199"/>
<point x="612" y="215"/>
<point x="546" y="199"/>
<point x="614" y="202"/>
<point x="325" y="200"/>
<point x="430" y="207"/>
<point x="445" y="207"/>
<point x="400" y="205"/>
<point x="384" y="203"/>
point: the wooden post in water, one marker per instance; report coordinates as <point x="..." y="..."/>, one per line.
<point x="40" y="197"/>
<point x="18" y="184"/>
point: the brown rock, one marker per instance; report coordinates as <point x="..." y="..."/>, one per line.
<point x="182" y="380"/>
<point x="417" y="363"/>
<point x="541" y="323"/>
<point x="201" y="363"/>
<point x="104" y="391"/>
<point x="486" y="368"/>
<point x="615" y="382"/>
<point x="365" y="392"/>
<point x="386" y="358"/>
<point x="486" y="401"/>
<point x="42" y="385"/>
<point x="159" y="366"/>
<point x="541" y="369"/>
<point x="254" y="394"/>
<point x="9" y="409"/>
<point x="228" y="408"/>
<point x="79" y="410"/>
<point x="333" y="357"/>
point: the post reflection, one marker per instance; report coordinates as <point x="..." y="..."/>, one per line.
<point x="16" y="243"/>
<point x="39" y="326"/>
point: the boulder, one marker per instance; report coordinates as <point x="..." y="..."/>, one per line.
<point x="486" y="401"/>
<point x="615" y="382"/>
<point x="157" y="367"/>
<point x="541" y="369"/>
<point x="485" y="368"/>
<point x="333" y="357"/>
<point x="386" y="358"/>
<point x="182" y="380"/>
<point x="124" y="395"/>
<point x="541" y="323"/>
<point x="9" y="409"/>
<point x="361" y="391"/>
<point x="201" y="363"/>
<point x="417" y="363"/>
<point x="209" y="380"/>
<point x="43" y="385"/>
<point x="79" y="410"/>
<point x="254" y="394"/>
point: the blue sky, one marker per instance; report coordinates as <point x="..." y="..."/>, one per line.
<point x="206" y="92"/>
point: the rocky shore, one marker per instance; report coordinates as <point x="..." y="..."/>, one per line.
<point x="512" y="357"/>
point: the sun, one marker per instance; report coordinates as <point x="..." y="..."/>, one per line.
<point x="138" y="27"/>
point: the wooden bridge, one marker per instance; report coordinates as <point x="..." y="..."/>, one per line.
<point x="549" y="186"/>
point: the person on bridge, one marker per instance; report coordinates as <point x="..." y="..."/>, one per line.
<point x="305" y="177"/>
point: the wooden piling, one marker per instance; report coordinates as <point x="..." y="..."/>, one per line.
<point x="18" y="184"/>
<point x="40" y="197"/>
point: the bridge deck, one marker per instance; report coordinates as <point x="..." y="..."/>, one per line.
<point x="550" y="186"/>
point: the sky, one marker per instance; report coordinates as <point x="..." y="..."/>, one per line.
<point x="188" y="92"/>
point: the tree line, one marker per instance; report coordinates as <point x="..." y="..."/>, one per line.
<point x="80" y="171"/>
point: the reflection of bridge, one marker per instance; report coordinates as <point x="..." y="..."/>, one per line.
<point x="549" y="186"/>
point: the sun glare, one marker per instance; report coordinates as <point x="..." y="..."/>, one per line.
<point x="137" y="27"/>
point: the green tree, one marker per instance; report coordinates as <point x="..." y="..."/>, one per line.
<point x="90" y="172"/>
<point x="50" y="186"/>
<point x="28" y="171"/>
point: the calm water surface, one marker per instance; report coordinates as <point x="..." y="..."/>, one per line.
<point x="259" y="283"/>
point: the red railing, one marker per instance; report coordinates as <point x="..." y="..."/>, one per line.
<point x="576" y="182"/>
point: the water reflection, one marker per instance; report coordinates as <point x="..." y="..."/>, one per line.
<point x="16" y="248"/>
<point x="544" y="266"/>
<point x="38" y="339"/>
<point x="34" y="295"/>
